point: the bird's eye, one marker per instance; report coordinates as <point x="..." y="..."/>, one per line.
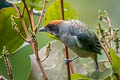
<point x="50" y="28"/>
<point x="53" y="28"/>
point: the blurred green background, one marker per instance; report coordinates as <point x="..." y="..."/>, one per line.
<point x="88" y="9"/>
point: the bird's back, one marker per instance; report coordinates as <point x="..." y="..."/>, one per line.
<point x="86" y="40"/>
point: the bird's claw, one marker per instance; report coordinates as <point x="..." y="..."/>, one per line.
<point x="66" y="61"/>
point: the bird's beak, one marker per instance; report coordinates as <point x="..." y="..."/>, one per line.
<point x="42" y="29"/>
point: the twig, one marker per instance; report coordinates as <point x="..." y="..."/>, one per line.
<point x="2" y="78"/>
<point x="33" y="41"/>
<point x="67" y="65"/>
<point x="110" y="27"/>
<point x="66" y="48"/>
<point x="7" y="63"/>
<point x="47" y="52"/>
<point x="62" y="9"/>
<point x="30" y="20"/>
<point x="111" y="30"/>
<point x="23" y="22"/>
<point x="17" y="29"/>
<point x="34" y="45"/>
<point x="40" y="19"/>
<point x="103" y="35"/>
<point x="117" y="76"/>
<point x="23" y="10"/>
<point x="107" y="54"/>
<point x="72" y="69"/>
<point x="116" y="39"/>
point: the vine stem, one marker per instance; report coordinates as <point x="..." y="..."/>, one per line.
<point x="33" y="41"/>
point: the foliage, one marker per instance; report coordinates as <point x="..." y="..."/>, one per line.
<point x="115" y="60"/>
<point x="5" y="27"/>
<point x="54" y="12"/>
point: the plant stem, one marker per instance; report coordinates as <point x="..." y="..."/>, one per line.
<point x="103" y="35"/>
<point x="117" y="76"/>
<point x="117" y="45"/>
<point x="17" y="29"/>
<point x="33" y="41"/>
<point x="32" y="19"/>
<point x="23" y="10"/>
<point x="62" y="9"/>
<point x="40" y="19"/>
<point x="67" y="65"/>
<point x="106" y="52"/>
<point x="7" y="63"/>
<point x="34" y="45"/>
<point x="111" y="30"/>
<point x="72" y="69"/>
<point x="3" y="78"/>
<point x="23" y="22"/>
<point x="28" y="14"/>
<point x="66" y="48"/>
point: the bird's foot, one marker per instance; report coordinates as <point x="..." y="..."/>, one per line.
<point x="66" y="61"/>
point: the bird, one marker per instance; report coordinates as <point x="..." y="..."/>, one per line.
<point x="77" y="36"/>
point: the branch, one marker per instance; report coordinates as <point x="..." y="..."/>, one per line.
<point x="22" y="21"/>
<point x="62" y="9"/>
<point x="40" y="19"/>
<point x="47" y="52"/>
<point x="102" y="31"/>
<point x="111" y="30"/>
<point x="2" y="78"/>
<point x="7" y="63"/>
<point x="34" y="45"/>
<point x="19" y="33"/>
<point x="66" y="48"/>
<point x="23" y="10"/>
<point x="30" y="20"/>
<point x="33" y="41"/>
<point x="116" y="39"/>
<point x="17" y="29"/>
<point x="107" y="20"/>
<point x="107" y="54"/>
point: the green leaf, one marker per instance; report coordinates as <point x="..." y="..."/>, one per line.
<point x="101" y="75"/>
<point x="8" y="37"/>
<point x="115" y="61"/>
<point x="54" y="12"/>
<point x="79" y="76"/>
<point x="36" y="4"/>
<point x="21" y="64"/>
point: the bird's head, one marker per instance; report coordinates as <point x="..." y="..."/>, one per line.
<point x="52" y="28"/>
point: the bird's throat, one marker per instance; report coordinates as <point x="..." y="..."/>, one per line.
<point x="52" y="36"/>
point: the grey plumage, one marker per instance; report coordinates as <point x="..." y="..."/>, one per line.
<point x="77" y="36"/>
<point x="80" y="33"/>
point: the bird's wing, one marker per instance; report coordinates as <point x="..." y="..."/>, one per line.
<point x="89" y="42"/>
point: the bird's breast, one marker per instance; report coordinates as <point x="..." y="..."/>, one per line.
<point x="75" y="46"/>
